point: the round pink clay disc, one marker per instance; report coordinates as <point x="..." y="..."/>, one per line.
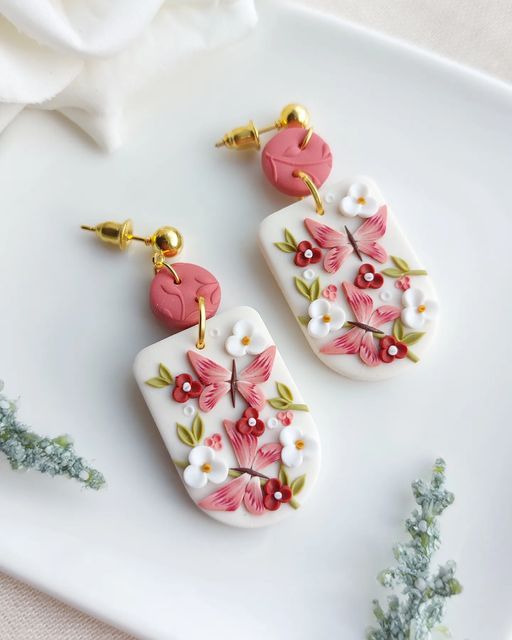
<point x="176" y="304"/>
<point x="282" y="156"/>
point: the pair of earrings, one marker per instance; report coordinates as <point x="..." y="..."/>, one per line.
<point x="227" y="408"/>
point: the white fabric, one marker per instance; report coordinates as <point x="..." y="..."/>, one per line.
<point x="87" y="58"/>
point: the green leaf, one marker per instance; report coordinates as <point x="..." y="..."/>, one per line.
<point x="398" y="330"/>
<point x="157" y="382"/>
<point x="413" y="338"/>
<point x="284" y="391"/>
<point x="412" y="356"/>
<point x="234" y="474"/>
<point x="284" y="246"/>
<point x="279" y="403"/>
<point x="180" y="464"/>
<point x="392" y="273"/>
<point x="299" y="407"/>
<point x="302" y="288"/>
<point x="314" y="290"/>
<point x="400" y="263"/>
<point x="165" y="374"/>
<point x="293" y="503"/>
<point x="417" y="272"/>
<point x="298" y="484"/>
<point x="304" y="320"/>
<point x="185" y="435"/>
<point x="290" y="239"/>
<point x="283" y="476"/>
<point x="198" y="428"/>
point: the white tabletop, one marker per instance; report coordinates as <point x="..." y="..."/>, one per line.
<point x="476" y="33"/>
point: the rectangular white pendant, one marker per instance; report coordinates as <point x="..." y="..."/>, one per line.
<point x="352" y="280"/>
<point x="232" y="418"/>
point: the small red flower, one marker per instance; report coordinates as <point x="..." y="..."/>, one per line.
<point x="250" y="423"/>
<point x="186" y="388"/>
<point x="367" y="278"/>
<point x="403" y="283"/>
<point x="285" y="418"/>
<point x="275" y="493"/>
<point x="307" y="254"/>
<point x="214" y="441"/>
<point x="390" y="349"/>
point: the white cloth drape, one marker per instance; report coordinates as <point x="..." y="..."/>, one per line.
<point x="86" y="58"/>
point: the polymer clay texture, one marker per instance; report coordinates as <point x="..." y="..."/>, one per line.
<point x="282" y="156"/>
<point x="352" y="280"/>
<point x="176" y="305"/>
<point x="233" y="420"/>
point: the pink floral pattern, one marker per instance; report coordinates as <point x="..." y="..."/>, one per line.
<point x="285" y="418"/>
<point x="403" y="283"/>
<point x="214" y="441"/>
<point x="330" y="292"/>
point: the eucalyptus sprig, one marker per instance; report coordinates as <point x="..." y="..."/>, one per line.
<point x="25" y="449"/>
<point x="422" y="593"/>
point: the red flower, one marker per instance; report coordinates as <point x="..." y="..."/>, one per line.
<point x="403" y="283"/>
<point x="275" y="493"/>
<point x="285" y="418"/>
<point x="250" y="423"/>
<point x="307" y="254"/>
<point x="367" y="278"/>
<point x="186" y="388"/>
<point x="390" y="349"/>
<point x="214" y="442"/>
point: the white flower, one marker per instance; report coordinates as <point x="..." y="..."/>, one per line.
<point x="358" y="202"/>
<point x="296" y="446"/>
<point x="204" y="467"/>
<point x="325" y="317"/>
<point x="245" y="340"/>
<point x="417" y="310"/>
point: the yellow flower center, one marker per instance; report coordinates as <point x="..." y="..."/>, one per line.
<point x="326" y="318"/>
<point x="361" y="200"/>
<point x="299" y="444"/>
<point x="206" y="468"/>
<point x="422" y="308"/>
<point x="246" y="340"/>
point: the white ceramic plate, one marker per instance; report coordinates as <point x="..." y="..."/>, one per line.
<point x="437" y="140"/>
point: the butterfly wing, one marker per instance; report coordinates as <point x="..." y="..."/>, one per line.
<point x="244" y="445"/>
<point x="258" y="371"/>
<point x="383" y="314"/>
<point x="336" y="242"/>
<point x="214" y="378"/>
<point x="369" y="232"/>
<point x="360" y="302"/>
<point x="348" y="343"/>
<point x="368" y="351"/>
<point x="229" y="497"/>
<point x="253" y="497"/>
<point x="267" y="454"/>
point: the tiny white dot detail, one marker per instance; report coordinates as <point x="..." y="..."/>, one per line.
<point x="186" y="387"/>
<point x="369" y="277"/>
<point x="251" y="422"/>
<point x="392" y="350"/>
<point x="385" y="296"/>
<point x="278" y="495"/>
<point x="189" y="410"/>
<point x="309" y="274"/>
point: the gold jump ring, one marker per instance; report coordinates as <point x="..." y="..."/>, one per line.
<point x="306" y="179"/>
<point x="200" y="344"/>
<point x="159" y="262"/>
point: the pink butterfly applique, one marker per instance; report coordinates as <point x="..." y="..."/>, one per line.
<point x="218" y="381"/>
<point x="360" y="338"/>
<point x="247" y="487"/>
<point x="340" y="245"/>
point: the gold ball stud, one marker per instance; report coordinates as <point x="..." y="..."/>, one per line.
<point x="168" y="241"/>
<point x="294" y="115"/>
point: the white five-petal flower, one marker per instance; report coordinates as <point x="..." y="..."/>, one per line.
<point x="325" y="317"/>
<point x="245" y="339"/>
<point x="358" y="202"/>
<point x="417" y="309"/>
<point x="204" y="467"/>
<point x="296" y="446"/>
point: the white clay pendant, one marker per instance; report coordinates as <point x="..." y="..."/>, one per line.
<point x="232" y="418"/>
<point x="352" y="280"/>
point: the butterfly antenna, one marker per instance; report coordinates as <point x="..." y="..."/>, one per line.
<point x="233" y="383"/>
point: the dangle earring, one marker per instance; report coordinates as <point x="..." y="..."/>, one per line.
<point x="352" y="280"/>
<point x="228" y="410"/>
